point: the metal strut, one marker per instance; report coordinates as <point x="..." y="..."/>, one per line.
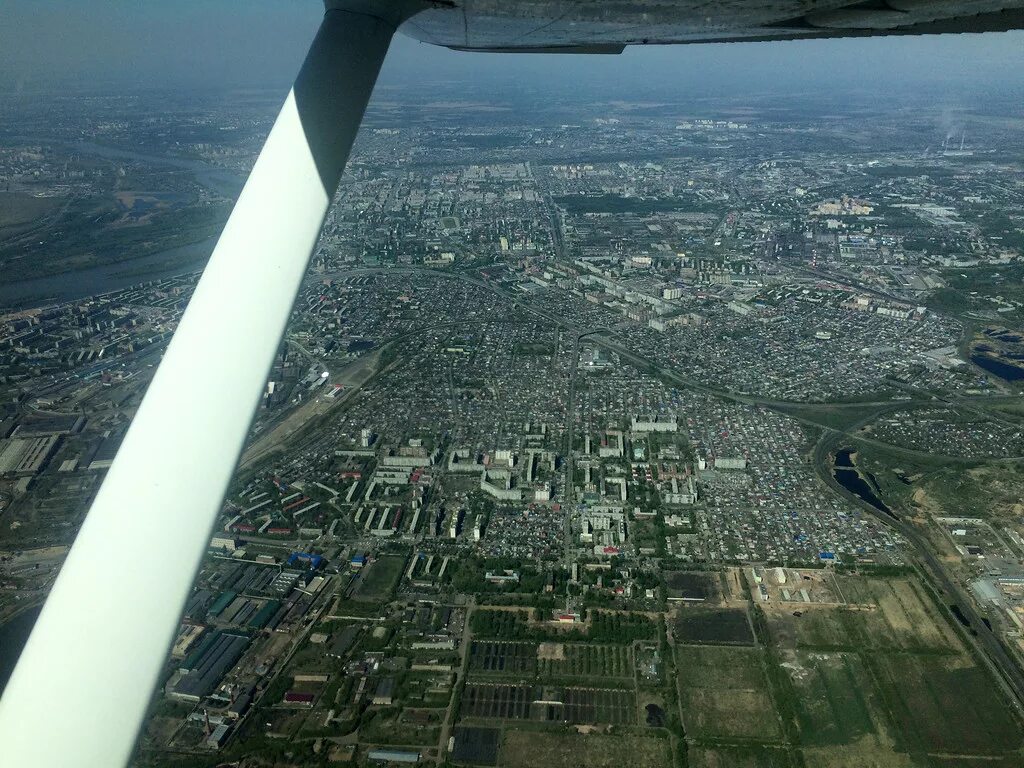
<point x="81" y="689"/>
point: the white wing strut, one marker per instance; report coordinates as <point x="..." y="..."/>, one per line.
<point x="85" y="679"/>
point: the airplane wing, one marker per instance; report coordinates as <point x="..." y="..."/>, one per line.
<point x="606" y="26"/>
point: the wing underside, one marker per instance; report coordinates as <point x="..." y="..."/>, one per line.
<point x="603" y="26"/>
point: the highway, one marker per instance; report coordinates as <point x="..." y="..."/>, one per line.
<point x="570" y="455"/>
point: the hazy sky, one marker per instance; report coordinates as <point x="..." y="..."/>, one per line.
<point x="229" y="43"/>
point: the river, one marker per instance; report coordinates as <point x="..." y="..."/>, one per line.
<point x="220" y="180"/>
<point x="89" y="281"/>
<point x="68" y="286"/>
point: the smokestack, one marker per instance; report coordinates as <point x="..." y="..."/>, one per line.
<point x="962" y="137"/>
<point x="206" y="721"/>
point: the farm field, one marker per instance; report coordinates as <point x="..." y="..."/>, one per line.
<point x="601" y="626"/>
<point x="724" y="693"/>
<point x="543" y="749"/>
<point x="701" y="625"/>
<point x="578" y="660"/>
<point x="880" y="680"/>
<point x="550" y="660"/>
<point x="682" y="585"/>
<point x="477" y="746"/>
<point x="492" y="657"/>
<point x="609" y="706"/>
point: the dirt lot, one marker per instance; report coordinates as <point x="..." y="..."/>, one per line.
<point x="724" y="693"/>
<point x="530" y="749"/>
<point x="739" y="757"/>
<point x="890" y="614"/>
<point x="551" y="652"/>
<point x="858" y="756"/>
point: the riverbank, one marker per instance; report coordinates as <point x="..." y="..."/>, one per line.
<point x="103" y="278"/>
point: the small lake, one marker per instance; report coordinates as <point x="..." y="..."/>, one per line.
<point x="998" y="368"/>
<point x="846" y="474"/>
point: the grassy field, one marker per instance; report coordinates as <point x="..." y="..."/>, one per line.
<point x="532" y="749"/>
<point x="944" y="705"/>
<point x="992" y="491"/>
<point x="18" y="209"/>
<point x="834" y="698"/>
<point x="970" y="289"/>
<point x="724" y="693"/>
<point x="380" y="578"/>
<point x="1008" y="761"/>
<point x="858" y="757"/>
<point x="840" y="417"/>
<point x="91" y="232"/>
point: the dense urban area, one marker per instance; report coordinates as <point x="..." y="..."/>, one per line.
<point x="603" y="432"/>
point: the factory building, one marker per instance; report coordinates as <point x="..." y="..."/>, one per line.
<point x="203" y="669"/>
<point x="22" y="457"/>
<point x="188" y="636"/>
<point x="385" y="692"/>
<point x="220" y="734"/>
